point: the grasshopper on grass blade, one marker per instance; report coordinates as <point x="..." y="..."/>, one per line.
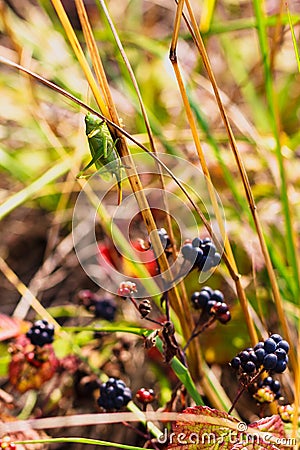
<point x="102" y="148"/>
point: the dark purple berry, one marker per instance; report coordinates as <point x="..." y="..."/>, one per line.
<point x="270" y="361"/>
<point x="200" y="299"/>
<point x="218" y="296"/>
<point x="199" y="259"/>
<point x="283" y="344"/>
<point x="280" y="353"/>
<point x="210" y="305"/>
<point x="253" y="358"/>
<point x="259" y="345"/>
<point x="235" y="362"/>
<point x="275" y="386"/>
<point x="164" y="238"/>
<point x="260" y="354"/>
<point x="216" y="259"/>
<point x="249" y="367"/>
<point x="280" y="366"/>
<point x="268" y="381"/>
<point x="196" y="242"/>
<point x="276" y="337"/>
<point x="208" y="289"/>
<point x="209" y="249"/>
<point x="189" y="252"/>
<point x="244" y="356"/>
<point x="269" y="345"/>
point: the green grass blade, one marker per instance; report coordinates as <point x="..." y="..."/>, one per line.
<point x="29" y="191"/>
<point x="12" y="166"/>
<point x="270" y="93"/>
<point x="184" y="376"/>
<point x="293" y="37"/>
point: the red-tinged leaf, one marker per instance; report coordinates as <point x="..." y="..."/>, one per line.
<point x="30" y="367"/>
<point x="200" y="428"/>
<point x="271" y="424"/>
<point x="11" y="327"/>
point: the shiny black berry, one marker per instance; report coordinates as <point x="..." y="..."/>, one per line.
<point x="189" y="252"/>
<point x="200" y="299"/>
<point x="259" y="345"/>
<point x="275" y="386"/>
<point x="280" y="353"/>
<point x="196" y="242"/>
<point x="217" y="295"/>
<point x="208" y="289"/>
<point x="270" y="361"/>
<point x="260" y="354"/>
<point x="164" y="238"/>
<point x="235" y="362"/>
<point x="41" y="333"/>
<point x="276" y="337"/>
<point x="269" y="345"/>
<point x="280" y="366"/>
<point x="249" y="367"/>
<point x="283" y="344"/>
<point x="210" y="305"/>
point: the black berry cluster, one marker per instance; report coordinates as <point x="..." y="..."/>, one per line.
<point x="41" y="333"/>
<point x="272" y="384"/>
<point x="202" y="253"/>
<point x="102" y="307"/>
<point x="114" y="394"/>
<point x="211" y="302"/>
<point x="270" y="355"/>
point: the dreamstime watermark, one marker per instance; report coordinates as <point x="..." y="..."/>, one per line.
<point x="241" y="436"/>
<point x="96" y="204"/>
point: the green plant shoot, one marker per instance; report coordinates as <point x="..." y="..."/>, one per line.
<point x="103" y="152"/>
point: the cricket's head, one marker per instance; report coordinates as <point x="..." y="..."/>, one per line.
<point x="92" y="121"/>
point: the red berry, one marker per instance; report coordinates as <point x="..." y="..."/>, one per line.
<point x="145" y="396"/>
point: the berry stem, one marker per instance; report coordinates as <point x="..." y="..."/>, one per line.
<point x="243" y="388"/>
<point x="196" y="332"/>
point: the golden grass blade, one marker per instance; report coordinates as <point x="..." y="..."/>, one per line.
<point x="96" y="60"/>
<point x="183" y="298"/>
<point x="228" y="251"/>
<point x="248" y="192"/>
<point x="11" y="276"/>
<point x="132" y="174"/>
<point x="79" y="54"/>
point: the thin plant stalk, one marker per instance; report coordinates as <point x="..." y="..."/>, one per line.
<point x="290" y="236"/>
<point x="276" y="294"/>
<point x="228" y="250"/>
<point x="186" y="318"/>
